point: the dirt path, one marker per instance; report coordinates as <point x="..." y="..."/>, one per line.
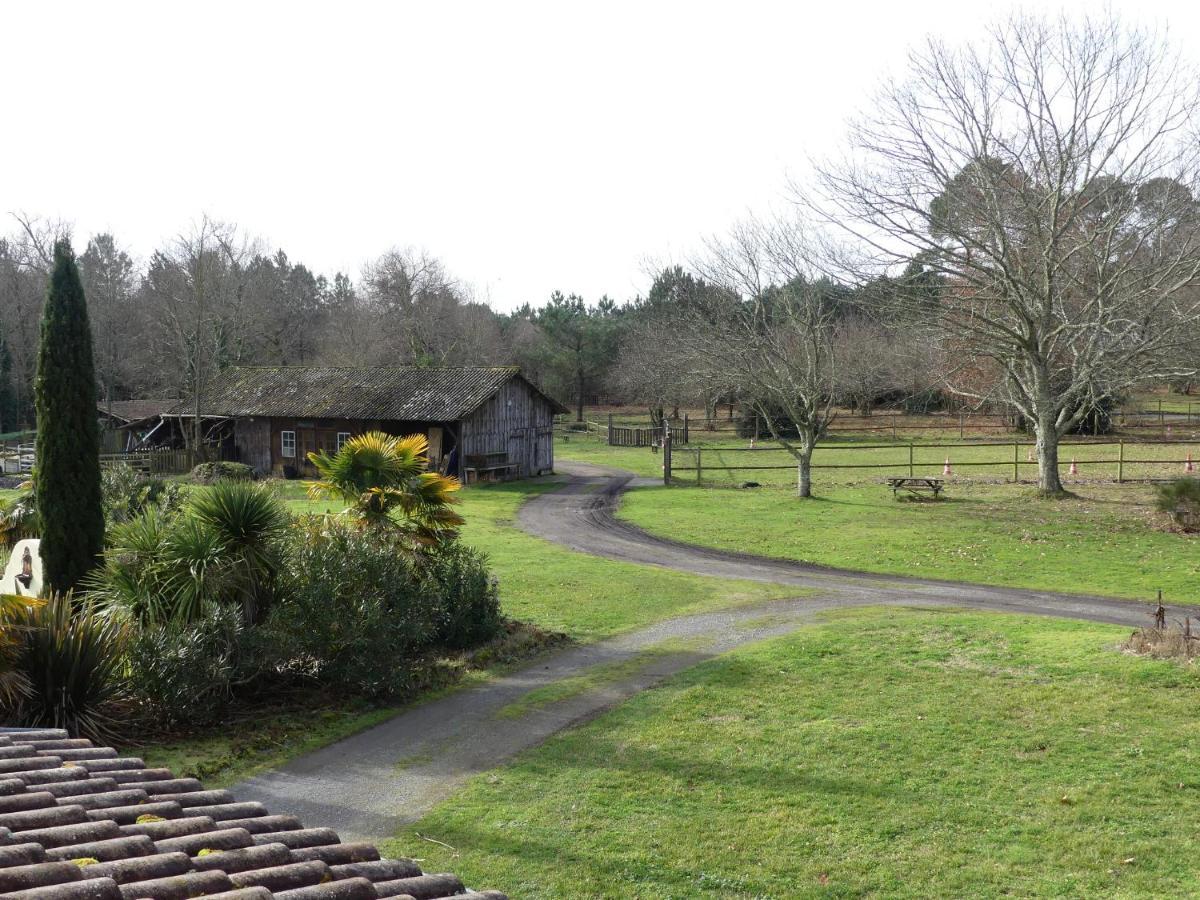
<point x="369" y="784"/>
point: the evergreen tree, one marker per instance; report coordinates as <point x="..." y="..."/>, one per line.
<point x="67" y="477"/>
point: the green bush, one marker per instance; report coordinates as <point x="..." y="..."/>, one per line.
<point x="355" y="611"/>
<point x="128" y="493"/>
<point x="1181" y="499"/>
<point x="470" y="600"/>
<point x="186" y="674"/>
<point x="212" y="472"/>
<point x="73" y="657"/>
<point x="19" y="519"/>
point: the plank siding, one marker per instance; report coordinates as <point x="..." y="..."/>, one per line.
<point x="518" y="422"/>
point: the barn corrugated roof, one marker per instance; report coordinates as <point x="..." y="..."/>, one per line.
<point x="81" y="822"/>
<point x="401" y="393"/>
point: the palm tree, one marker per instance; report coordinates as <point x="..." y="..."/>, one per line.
<point x="387" y="483"/>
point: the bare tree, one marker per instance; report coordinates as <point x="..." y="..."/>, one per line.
<point x="1049" y="175"/>
<point x="767" y="336"/>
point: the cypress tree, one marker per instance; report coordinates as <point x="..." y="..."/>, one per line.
<point x="67" y="475"/>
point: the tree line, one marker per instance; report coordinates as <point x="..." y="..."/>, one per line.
<point x="1012" y="223"/>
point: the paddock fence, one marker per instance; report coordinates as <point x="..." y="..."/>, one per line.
<point x="1119" y="461"/>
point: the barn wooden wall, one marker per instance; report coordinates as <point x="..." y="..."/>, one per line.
<point x="252" y="438"/>
<point x="517" y="421"/>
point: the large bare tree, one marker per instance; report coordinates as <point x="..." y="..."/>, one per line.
<point x="1049" y="175"/>
<point x="767" y="335"/>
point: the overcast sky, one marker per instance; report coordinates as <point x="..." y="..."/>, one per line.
<point x="532" y="147"/>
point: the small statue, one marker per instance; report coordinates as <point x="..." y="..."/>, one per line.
<point x="26" y="576"/>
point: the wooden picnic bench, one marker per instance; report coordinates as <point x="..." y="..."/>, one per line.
<point x="916" y="486"/>
<point x="488" y="467"/>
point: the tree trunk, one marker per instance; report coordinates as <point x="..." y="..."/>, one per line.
<point x="579" y="394"/>
<point x="804" y="473"/>
<point x="1049" y="481"/>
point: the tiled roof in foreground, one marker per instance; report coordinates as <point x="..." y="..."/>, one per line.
<point x="70" y="830"/>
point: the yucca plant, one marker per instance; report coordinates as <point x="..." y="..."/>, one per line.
<point x="72" y="655"/>
<point x="246" y="523"/>
<point x="160" y="570"/>
<point x="14" y="685"/>
<point x="387" y="483"/>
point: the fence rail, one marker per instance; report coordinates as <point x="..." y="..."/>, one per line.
<point x="1118" y="460"/>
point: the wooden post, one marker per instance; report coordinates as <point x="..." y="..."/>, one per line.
<point x="1016" y="462"/>
<point x="960" y="426"/>
<point x="1120" y="461"/>
<point x="666" y="453"/>
<point x="699" y="466"/>
<point x="756" y="433"/>
<point x="610" y="429"/>
<point x="910" y="459"/>
<point x="894" y="437"/>
<point x="685" y="428"/>
<point x="1162" y="424"/>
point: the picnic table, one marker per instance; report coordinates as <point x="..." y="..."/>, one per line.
<point x="916" y="486"/>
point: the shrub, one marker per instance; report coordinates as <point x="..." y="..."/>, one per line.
<point x="356" y="611"/>
<point x="185" y="674"/>
<point x="1181" y="499"/>
<point x="212" y="472"/>
<point x="128" y="493"/>
<point x="72" y="656"/>
<point x="470" y="600"/>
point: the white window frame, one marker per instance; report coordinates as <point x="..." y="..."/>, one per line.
<point x="342" y="438"/>
<point x="288" y="452"/>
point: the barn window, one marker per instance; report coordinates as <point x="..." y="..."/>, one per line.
<point x="288" y="443"/>
<point x="342" y="437"/>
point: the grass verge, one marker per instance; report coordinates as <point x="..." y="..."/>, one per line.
<point x="887" y="753"/>
<point x="1106" y="540"/>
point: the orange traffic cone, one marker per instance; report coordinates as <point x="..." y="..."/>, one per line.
<point x="946" y="470"/>
<point x="1029" y="455"/>
<point x="1187" y="466"/>
<point x="753" y="441"/>
<point x="1074" y="470"/>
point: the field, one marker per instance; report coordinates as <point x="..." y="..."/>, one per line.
<point x="885" y="753"/>
<point x="1107" y="538"/>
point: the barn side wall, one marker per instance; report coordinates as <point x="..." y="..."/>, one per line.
<point x="517" y="421"/>
<point x="252" y="438"/>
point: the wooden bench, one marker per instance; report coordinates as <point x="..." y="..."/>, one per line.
<point x="488" y="467"/>
<point x="916" y="486"/>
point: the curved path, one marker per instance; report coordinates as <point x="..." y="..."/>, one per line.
<point x="369" y="784"/>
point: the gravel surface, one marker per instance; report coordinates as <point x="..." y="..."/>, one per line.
<point x="369" y="784"/>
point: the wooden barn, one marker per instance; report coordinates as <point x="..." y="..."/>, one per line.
<point x="481" y="423"/>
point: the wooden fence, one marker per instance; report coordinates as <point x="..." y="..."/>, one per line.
<point x="156" y="462"/>
<point x="1013" y="456"/>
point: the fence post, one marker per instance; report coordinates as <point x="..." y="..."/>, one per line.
<point x="1120" y="461"/>
<point x="685" y="428"/>
<point x="1016" y="462"/>
<point x="894" y="436"/>
<point x="699" y="465"/>
<point x="666" y="454"/>
<point x="910" y="459"/>
<point x="960" y="426"/>
<point x="610" y="433"/>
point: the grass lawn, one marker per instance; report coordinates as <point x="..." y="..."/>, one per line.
<point x="1106" y="540"/>
<point x="886" y="753"/>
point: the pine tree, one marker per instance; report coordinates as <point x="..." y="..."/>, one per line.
<point x="67" y="475"/>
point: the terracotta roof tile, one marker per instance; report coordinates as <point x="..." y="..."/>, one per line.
<point x="64" y="802"/>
